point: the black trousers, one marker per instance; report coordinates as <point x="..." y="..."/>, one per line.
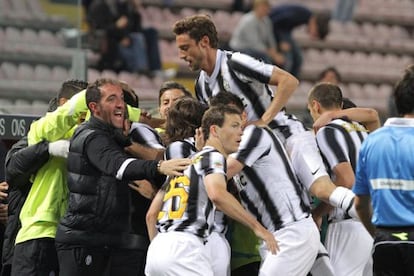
<point x="393" y="252"/>
<point x="35" y="258"/>
<point x="251" y="269"/>
<point x="84" y="261"/>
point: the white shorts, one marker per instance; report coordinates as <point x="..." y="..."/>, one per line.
<point x="176" y="254"/>
<point x="322" y="265"/>
<point x="218" y="250"/>
<point x="349" y="245"/>
<point x="298" y="244"/>
<point x="306" y="159"/>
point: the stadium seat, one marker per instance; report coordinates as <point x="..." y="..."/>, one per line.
<point x="24" y="72"/>
<point x="42" y="72"/>
<point x="9" y="70"/>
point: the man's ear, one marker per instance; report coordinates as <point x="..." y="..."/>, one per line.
<point x="204" y="41"/>
<point x="213" y="131"/>
<point x="62" y="101"/>
<point x="316" y="106"/>
<point x="93" y="107"/>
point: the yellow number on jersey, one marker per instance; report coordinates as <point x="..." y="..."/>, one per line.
<point x="176" y="197"/>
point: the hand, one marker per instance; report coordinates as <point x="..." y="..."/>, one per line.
<point x="59" y="148"/>
<point x="284" y="46"/>
<point x="270" y="240"/>
<point x="4" y="186"/>
<point x="318" y="221"/>
<point x="122" y="22"/>
<point x="174" y="167"/>
<point x="279" y="59"/>
<point x="127" y="127"/>
<point x="323" y="120"/>
<point x="3" y="213"/>
<point x="126" y="41"/>
<point x="144" y="187"/>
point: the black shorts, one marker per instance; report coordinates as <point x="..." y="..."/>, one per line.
<point x="394" y="251"/>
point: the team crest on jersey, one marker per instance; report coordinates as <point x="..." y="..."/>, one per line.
<point x="197" y="159"/>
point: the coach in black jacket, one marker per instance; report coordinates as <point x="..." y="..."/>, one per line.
<point x="94" y="236"/>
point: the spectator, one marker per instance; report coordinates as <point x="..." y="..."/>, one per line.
<point x="330" y="74"/>
<point x="344" y="10"/>
<point x="94" y="236"/>
<point x="384" y="194"/>
<point x="251" y="35"/>
<point x="129" y="46"/>
<point x="285" y="18"/>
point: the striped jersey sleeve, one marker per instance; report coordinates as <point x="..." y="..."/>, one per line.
<point x="180" y="149"/>
<point x="247" y="78"/>
<point x="145" y="135"/>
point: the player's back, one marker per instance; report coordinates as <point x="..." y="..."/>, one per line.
<point x="186" y="205"/>
<point x="268" y="186"/>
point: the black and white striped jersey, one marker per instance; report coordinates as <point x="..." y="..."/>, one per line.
<point x="267" y="184"/>
<point x="247" y="78"/>
<point x="180" y="149"/>
<point x="338" y="142"/>
<point x="183" y="149"/>
<point x="145" y="135"/>
<point x="186" y="206"/>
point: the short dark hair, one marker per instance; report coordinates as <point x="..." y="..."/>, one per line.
<point x="71" y="87"/>
<point x="183" y="119"/>
<point x="67" y="90"/>
<point x="404" y="92"/>
<point x="347" y="103"/>
<point x="130" y="97"/>
<point x="322" y="23"/>
<point x="226" y="98"/>
<point x="327" y="94"/>
<point x="168" y="85"/>
<point x="93" y="91"/>
<point x="215" y="115"/>
<point x="197" y="26"/>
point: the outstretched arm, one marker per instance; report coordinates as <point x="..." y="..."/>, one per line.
<point x="217" y="192"/>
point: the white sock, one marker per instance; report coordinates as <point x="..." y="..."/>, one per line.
<point x="343" y="198"/>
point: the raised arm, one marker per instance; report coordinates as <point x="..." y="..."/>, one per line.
<point x="286" y="85"/>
